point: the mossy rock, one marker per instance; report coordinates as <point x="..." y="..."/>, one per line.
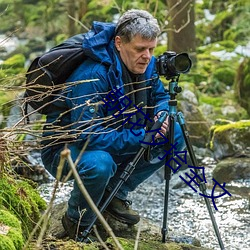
<point x="22" y="200"/>
<point x="231" y="139"/>
<point x="11" y="237"/>
<point x="150" y="235"/>
<point x="128" y="244"/>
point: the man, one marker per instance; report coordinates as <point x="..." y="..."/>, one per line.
<point x="108" y="115"/>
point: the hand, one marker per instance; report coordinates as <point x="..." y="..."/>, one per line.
<point x="164" y="127"/>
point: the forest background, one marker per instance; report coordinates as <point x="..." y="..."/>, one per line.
<point x="214" y="33"/>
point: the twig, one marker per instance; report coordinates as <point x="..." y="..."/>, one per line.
<point x="77" y="21"/>
<point x="137" y="236"/>
<point x="66" y="155"/>
<point x="99" y="238"/>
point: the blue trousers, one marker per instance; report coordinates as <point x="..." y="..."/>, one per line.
<point x="99" y="170"/>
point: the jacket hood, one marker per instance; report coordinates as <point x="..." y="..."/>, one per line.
<point x="98" y="43"/>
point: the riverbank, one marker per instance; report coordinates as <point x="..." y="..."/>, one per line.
<point x="188" y="215"/>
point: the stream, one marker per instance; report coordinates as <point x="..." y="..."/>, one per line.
<point x="187" y="212"/>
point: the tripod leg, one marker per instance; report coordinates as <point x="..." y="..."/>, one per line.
<point x="168" y="176"/>
<point x="202" y="185"/>
<point x="129" y="169"/>
<point x="164" y="229"/>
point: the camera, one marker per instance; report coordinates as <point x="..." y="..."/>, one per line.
<point x="171" y="65"/>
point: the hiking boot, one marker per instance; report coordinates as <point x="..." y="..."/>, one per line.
<point x="121" y="211"/>
<point x="75" y="231"/>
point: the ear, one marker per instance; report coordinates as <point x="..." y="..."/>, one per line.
<point x="118" y="42"/>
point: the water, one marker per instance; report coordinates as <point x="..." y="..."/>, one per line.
<point x="188" y="215"/>
<point x="187" y="212"/>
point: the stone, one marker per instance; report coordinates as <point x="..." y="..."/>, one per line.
<point x="231" y="169"/>
<point x="231" y="139"/>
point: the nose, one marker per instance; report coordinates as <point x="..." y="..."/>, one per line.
<point x="146" y="54"/>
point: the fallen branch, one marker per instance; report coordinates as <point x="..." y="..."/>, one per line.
<point x="65" y="154"/>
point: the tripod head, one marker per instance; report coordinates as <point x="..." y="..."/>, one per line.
<point x="174" y="89"/>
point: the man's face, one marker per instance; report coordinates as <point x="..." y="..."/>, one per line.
<point x="137" y="53"/>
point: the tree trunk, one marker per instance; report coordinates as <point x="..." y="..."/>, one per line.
<point x="181" y="27"/>
<point x="83" y="7"/>
<point x="71" y="6"/>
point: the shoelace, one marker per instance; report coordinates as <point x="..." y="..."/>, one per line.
<point x="127" y="203"/>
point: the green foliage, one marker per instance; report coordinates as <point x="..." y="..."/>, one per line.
<point x="221" y="23"/>
<point x="225" y="75"/>
<point x="12" y="67"/>
<point x="216" y="67"/>
<point x="229" y="23"/>
<point x="214" y="101"/>
<point x="219" y="102"/>
<point x="17" y="61"/>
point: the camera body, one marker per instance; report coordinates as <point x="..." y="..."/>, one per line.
<point x="171" y="65"/>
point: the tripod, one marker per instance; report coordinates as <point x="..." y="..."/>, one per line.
<point x="173" y="90"/>
<point x="173" y="114"/>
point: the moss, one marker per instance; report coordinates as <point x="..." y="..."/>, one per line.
<point x="214" y="101"/>
<point x="174" y="246"/>
<point x="13" y="239"/>
<point x="13" y="71"/>
<point x="128" y="244"/>
<point x="221" y="132"/>
<point x="235" y="125"/>
<point x="21" y="199"/>
<point x="16" y="237"/>
<point x="6" y="243"/>
<point x="219" y="103"/>
<point x="9" y="219"/>
<point x="16" y="61"/>
<point x="225" y="75"/>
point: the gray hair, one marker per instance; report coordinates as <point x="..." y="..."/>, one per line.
<point x="137" y="22"/>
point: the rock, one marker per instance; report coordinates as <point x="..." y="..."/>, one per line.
<point x="189" y="96"/>
<point x="149" y="238"/>
<point x="197" y="125"/>
<point x="231" y="169"/>
<point x="232" y="139"/>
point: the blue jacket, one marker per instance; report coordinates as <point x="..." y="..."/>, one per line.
<point x="89" y="117"/>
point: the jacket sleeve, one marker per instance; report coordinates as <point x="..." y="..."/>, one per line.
<point x="88" y="116"/>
